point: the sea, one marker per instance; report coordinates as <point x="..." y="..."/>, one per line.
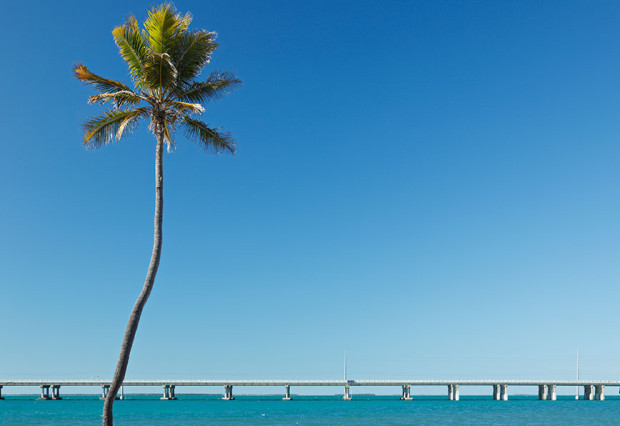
<point x="310" y="410"/>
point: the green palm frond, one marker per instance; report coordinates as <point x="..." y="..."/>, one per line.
<point x="132" y="48"/>
<point x="191" y="53"/>
<point x="161" y="27"/>
<point x="120" y="99"/>
<point x="101" y="84"/>
<point x="160" y="73"/>
<point x="216" y="86"/>
<point x="101" y="130"/>
<point x="210" y="139"/>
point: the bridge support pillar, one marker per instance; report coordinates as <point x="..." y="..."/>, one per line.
<point x="45" y="392"/>
<point x="1" y="397"/>
<point x="406" y="393"/>
<point x="503" y="392"/>
<point x="168" y="393"/>
<point x="104" y="391"/>
<point x="287" y="393"/>
<point x="552" y="395"/>
<point x="542" y="392"/>
<point x="588" y="392"/>
<point x="495" y="392"/>
<point x="455" y="392"/>
<point x="347" y="395"/>
<point x="599" y="392"/>
<point x="228" y="395"/>
<point x="56" y="392"/>
<point x="122" y="392"/>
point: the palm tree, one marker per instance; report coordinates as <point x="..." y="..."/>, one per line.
<point x="164" y="59"/>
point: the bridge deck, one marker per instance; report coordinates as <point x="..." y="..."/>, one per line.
<point x="174" y="382"/>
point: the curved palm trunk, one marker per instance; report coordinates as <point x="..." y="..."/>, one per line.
<point x="136" y="312"/>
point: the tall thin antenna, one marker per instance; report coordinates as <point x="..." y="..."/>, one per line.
<point x="577" y="390"/>
<point x="345" y="366"/>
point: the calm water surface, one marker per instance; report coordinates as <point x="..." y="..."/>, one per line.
<point x="308" y="410"/>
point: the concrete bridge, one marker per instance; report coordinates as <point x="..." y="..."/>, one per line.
<point x="592" y="390"/>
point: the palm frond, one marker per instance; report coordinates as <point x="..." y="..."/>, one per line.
<point x="161" y="27"/>
<point x="120" y="98"/>
<point x="101" y="130"/>
<point x="168" y="129"/>
<point x="191" y="53"/>
<point x="217" y="85"/>
<point x="160" y="73"/>
<point x="184" y="107"/>
<point x="210" y="139"/>
<point x="101" y="84"/>
<point x="132" y="48"/>
<point x="131" y="121"/>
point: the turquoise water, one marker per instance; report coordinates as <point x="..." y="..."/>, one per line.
<point x="309" y="410"/>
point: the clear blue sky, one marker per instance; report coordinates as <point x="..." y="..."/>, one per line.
<point x="432" y="186"/>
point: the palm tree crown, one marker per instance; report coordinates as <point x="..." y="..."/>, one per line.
<point x="164" y="60"/>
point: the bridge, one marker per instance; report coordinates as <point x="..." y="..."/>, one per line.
<point x="592" y="390"/>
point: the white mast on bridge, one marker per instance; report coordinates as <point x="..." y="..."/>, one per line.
<point x="577" y="390"/>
